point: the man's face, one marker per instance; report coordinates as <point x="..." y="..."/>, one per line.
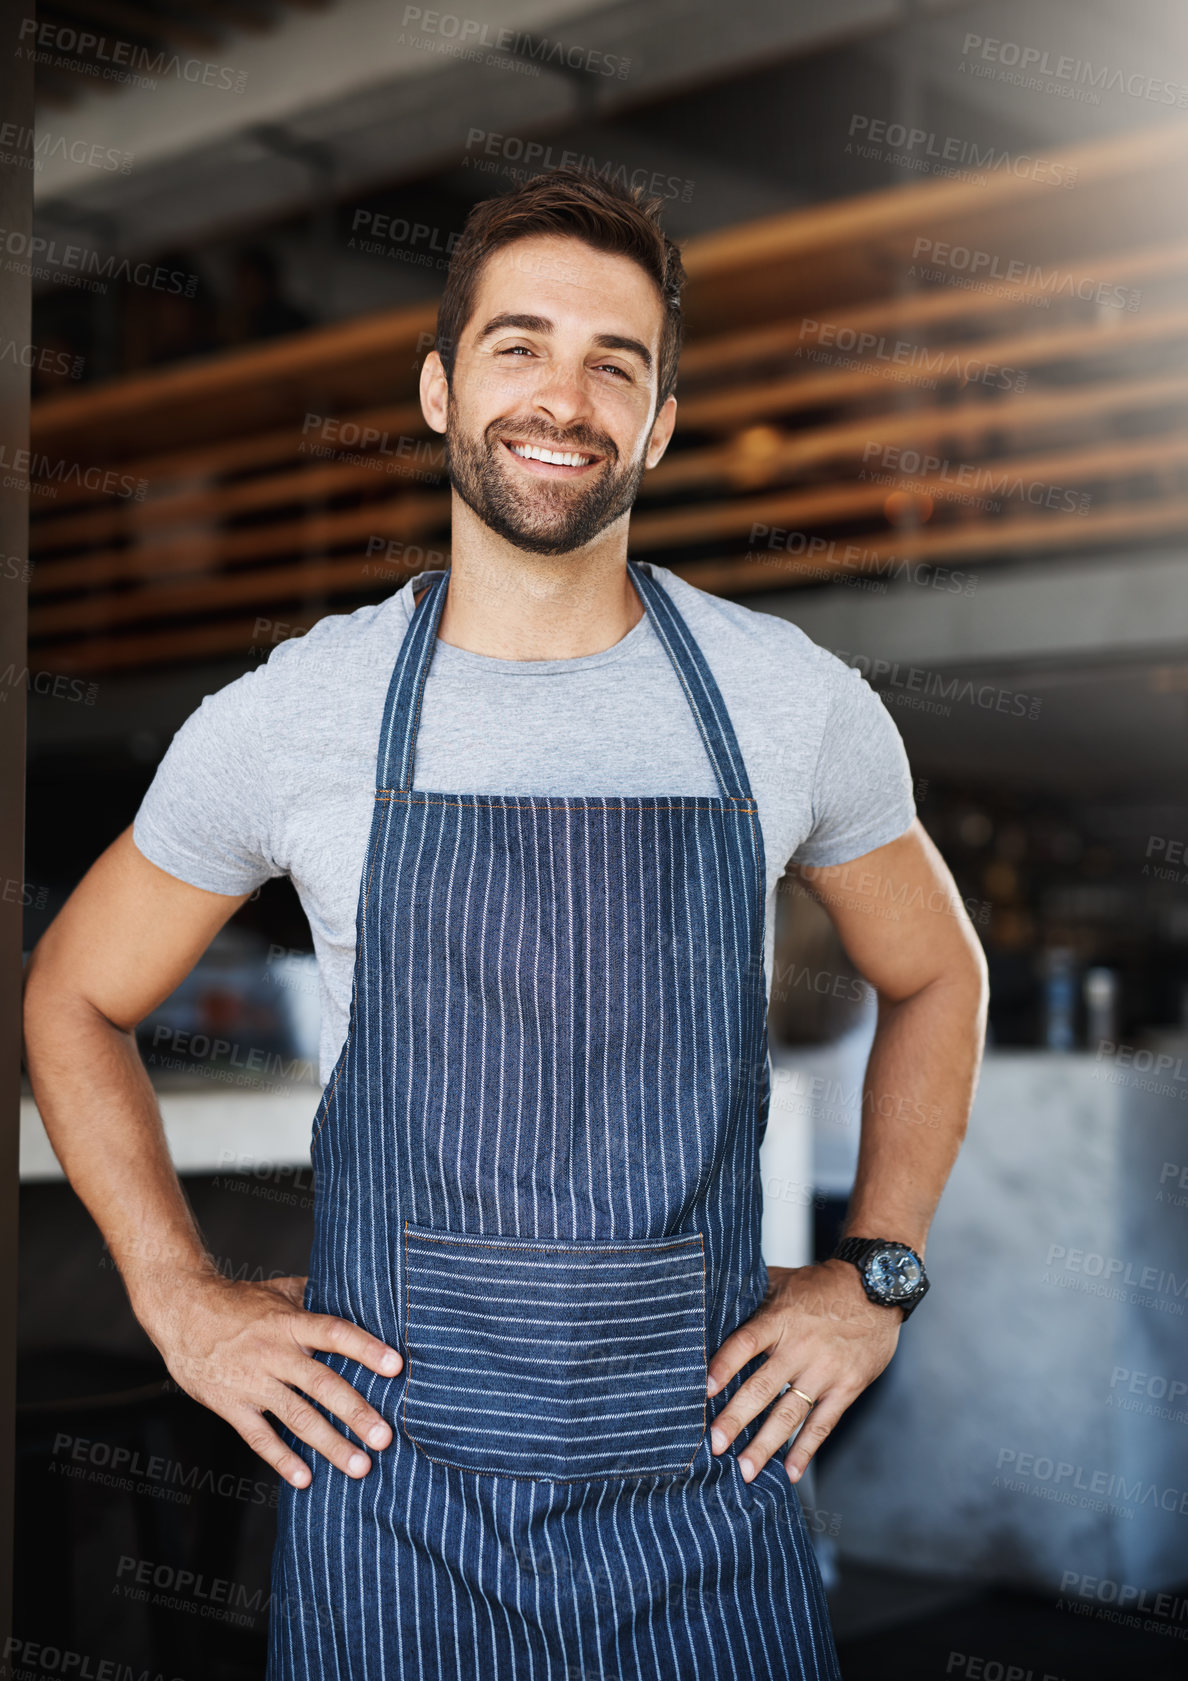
<point x="559" y="359"/>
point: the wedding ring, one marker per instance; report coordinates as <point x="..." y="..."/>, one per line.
<point x="802" y="1395"/>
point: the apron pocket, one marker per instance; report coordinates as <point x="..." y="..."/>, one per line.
<point x="555" y="1361"/>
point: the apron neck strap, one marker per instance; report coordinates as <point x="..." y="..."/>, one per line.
<point x="697" y="680"/>
<point x="406" y="690"/>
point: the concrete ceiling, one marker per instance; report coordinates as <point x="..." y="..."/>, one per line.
<point x="338" y="101"/>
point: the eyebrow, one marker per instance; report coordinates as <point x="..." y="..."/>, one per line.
<point x="542" y="324"/>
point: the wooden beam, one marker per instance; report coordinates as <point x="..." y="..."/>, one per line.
<point x="920" y="206"/>
<point x="934" y="306"/>
<point x="1001" y="538"/>
<point x="240" y="454"/>
<point x="408" y="516"/>
<point x="312" y="485"/>
<point x="985" y="541"/>
<point x="922" y="427"/>
<point x="1110" y="460"/>
<point x="291" y="369"/>
<point x="196" y="596"/>
<point x="191" y="568"/>
<point x="836" y="502"/>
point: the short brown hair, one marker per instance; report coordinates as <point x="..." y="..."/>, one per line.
<point x="604" y="215"/>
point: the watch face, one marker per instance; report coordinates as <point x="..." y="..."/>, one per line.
<point x="893" y="1271"/>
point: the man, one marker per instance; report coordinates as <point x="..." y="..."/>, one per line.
<point x="536" y="808"/>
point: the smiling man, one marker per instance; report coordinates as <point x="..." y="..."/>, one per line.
<point x="536" y="807"/>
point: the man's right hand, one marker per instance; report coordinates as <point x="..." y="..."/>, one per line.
<point x="123" y="942"/>
<point x="245" y="1349"/>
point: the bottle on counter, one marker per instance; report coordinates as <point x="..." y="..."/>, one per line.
<point x="1101" y="1005"/>
<point x="1059" y="998"/>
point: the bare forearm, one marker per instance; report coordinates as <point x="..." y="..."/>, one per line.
<point x="102" y="1118"/>
<point x="917" y="1095"/>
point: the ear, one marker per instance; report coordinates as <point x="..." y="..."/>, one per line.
<point x="435" y="392"/>
<point x="661" y="432"/>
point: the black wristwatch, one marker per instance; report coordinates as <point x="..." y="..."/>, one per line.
<point x="892" y="1274"/>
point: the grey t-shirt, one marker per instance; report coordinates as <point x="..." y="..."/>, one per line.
<point x="275" y="773"/>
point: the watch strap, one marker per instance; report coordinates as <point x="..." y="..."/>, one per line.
<point x="856" y="1249"/>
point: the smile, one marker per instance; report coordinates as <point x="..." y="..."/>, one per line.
<point x="553" y="463"/>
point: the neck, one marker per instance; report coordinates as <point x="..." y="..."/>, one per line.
<point x="513" y="605"/>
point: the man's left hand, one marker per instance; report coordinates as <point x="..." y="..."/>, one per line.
<point x="821" y="1333"/>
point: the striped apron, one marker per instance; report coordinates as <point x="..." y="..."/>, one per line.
<point x="537" y="1176"/>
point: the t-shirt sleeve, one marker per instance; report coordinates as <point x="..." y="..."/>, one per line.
<point x="206" y="817"/>
<point x="862" y="789"/>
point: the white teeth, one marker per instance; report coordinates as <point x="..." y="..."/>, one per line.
<point x="553" y="457"/>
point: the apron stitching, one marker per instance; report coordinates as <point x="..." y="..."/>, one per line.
<point x="519" y="1476"/>
<point x="464" y="1238"/>
<point x="473" y="802"/>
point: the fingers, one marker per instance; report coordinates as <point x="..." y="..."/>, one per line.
<point x="820" y="1422"/>
<point x="786" y="1417"/>
<point x="758" y="1392"/>
<point x="338" y="1336"/>
<point x="263" y="1440"/>
<point x="306" y="1422"/>
<point x="742" y="1345"/>
<point x="339" y="1397"/>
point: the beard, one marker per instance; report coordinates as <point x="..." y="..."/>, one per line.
<point x="542" y="518"/>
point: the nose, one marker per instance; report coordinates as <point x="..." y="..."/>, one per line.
<point x="562" y="395"/>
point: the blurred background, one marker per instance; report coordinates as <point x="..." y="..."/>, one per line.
<point x="934" y="410"/>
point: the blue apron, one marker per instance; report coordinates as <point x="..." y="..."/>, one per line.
<point x="537" y="1176"/>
